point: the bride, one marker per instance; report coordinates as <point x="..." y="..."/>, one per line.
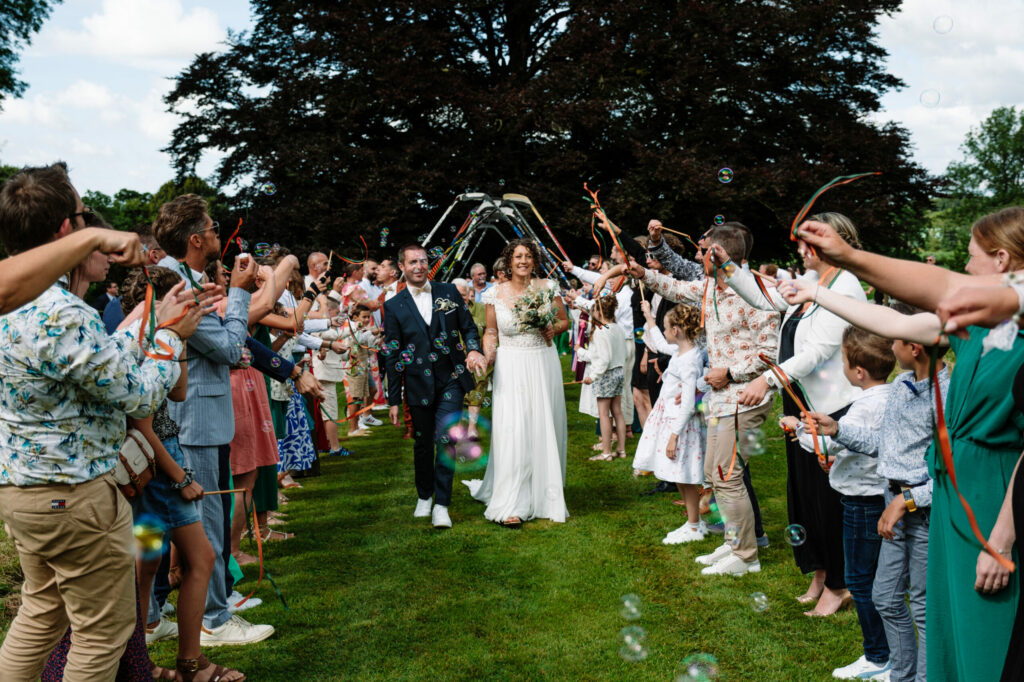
<point x="526" y="470"/>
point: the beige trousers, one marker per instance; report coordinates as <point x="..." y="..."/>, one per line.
<point x="78" y="556"/>
<point x="731" y="495"/>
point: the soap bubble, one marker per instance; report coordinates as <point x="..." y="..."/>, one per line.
<point x="719" y="219"/>
<point x="446" y="350"/>
<point x="501" y="182"/>
<point x="275" y="361"/>
<point x="732" y="535"/>
<point x="243" y="245"/>
<point x="269" y="188"/>
<point x="406" y="357"/>
<point x="943" y="24"/>
<point x="633" y="643"/>
<point x="262" y="249"/>
<point x="436" y="252"/>
<point x="752" y="442"/>
<point x="795" y="535"/>
<point x="150" y="535"/>
<point x="267" y="426"/>
<point x="422" y="238"/>
<point x="697" y="668"/>
<point x="427" y="372"/>
<point x="250" y="385"/>
<point x="725" y="175"/>
<point x="432" y="356"/>
<point x="399" y="367"/>
<point x="463" y="450"/>
<point x="486" y="402"/>
<point x="638" y="335"/>
<point x="438" y="343"/>
<point x="759" y="602"/>
<point x="930" y="98"/>
<point x="630" y="609"/>
<point x="245" y="358"/>
<point x="419" y="361"/>
<point x="423" y="401"/>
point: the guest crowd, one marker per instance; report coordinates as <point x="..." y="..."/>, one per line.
<point x="237" y="379"/>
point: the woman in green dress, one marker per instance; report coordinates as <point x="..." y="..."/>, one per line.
<point x="970" y="614"/>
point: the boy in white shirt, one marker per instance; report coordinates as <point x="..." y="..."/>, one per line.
<point x="867" y="362"/>
<point x="329" y="369"/>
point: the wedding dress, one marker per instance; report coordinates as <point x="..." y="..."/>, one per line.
<point x="525" y="474"/>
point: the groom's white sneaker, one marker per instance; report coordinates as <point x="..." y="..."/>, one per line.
<point x="422" y="509"/>
<point x="440" y="517"/>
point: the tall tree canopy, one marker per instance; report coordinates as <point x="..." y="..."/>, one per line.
<point x="365" y="114"/>
<point x="19" y="21"/>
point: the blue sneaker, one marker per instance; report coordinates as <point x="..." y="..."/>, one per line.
<point x="340" y="452"/>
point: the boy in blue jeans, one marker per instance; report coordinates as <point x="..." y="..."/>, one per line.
<point x="867" y="363"/>
<point x="901" y="442"/>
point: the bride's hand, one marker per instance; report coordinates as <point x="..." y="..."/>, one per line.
<point x="548" y="333"/>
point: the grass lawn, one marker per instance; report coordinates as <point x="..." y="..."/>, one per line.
<point x="376" y="594"/>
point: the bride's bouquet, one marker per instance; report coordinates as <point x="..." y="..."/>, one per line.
<point x="535" y="310"/>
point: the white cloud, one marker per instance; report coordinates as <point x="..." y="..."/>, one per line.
<point x="149" y="34"/>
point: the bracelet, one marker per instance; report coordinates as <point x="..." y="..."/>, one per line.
<point x="309" y="296"/>
<point x="1004" y="552"/>
<point x="313" y="287"/>
<point x="185" y="482"/>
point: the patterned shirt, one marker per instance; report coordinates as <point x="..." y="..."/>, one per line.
<point x="904" y="435"/>
<point x="65" y="387"/>
<point x="736" y="334"/>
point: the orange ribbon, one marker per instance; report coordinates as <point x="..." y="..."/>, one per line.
<point x="787" y="385"/>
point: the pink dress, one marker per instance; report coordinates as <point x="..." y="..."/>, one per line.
<point x="255" y="444"/>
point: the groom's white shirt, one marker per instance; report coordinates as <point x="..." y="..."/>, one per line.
<point x="421" y="297"/>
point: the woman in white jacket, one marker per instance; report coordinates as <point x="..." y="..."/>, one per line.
<point x="810" y="354"/>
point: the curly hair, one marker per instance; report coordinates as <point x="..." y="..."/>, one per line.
<point x="686" y="317"/>
<point x="510" y="248"/>
<point x="133" y="289"/>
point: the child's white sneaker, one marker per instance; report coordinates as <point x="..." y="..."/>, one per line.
<point x="733" y="565"/>
<point x="862" y="669"/>
<point x="723" y="551"/>
<point x="685" y="533"/>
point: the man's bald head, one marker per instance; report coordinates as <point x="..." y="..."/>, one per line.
<point x="316" y="263"/>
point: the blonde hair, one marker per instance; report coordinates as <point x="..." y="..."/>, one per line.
<point x="1002" y="230"/>
<point x="842" y="225"/>
<point x="686" y="317"/>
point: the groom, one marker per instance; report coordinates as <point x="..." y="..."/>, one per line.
<point x="422" y="325"/>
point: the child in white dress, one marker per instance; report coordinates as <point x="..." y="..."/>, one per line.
<point x="605" y="357"/>
<point x="672" y="443"/>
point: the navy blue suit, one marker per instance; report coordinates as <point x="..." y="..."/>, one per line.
<point x="433" y="367"/>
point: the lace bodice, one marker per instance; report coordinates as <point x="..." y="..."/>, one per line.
<point x="509" y="333"/>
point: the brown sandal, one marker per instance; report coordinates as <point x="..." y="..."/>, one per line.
<point x="188" y="667"/>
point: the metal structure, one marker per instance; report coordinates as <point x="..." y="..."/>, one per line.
<point x="488" y="215"/>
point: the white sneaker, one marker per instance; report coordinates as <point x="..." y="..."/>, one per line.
<point x="236" y="631"/>
<point x="684" y="533"/>
<point x="883" y="677"/>
<point x="440" y="517"/>
<point x="250" y="603"/>
<point x="369" y="420"/>
<point x="862" y="669"/>
<point x="723" y="551"/>
<point x="733" y="565"/>
<point x="165" y="629"/>
<point x="422" y="509"/>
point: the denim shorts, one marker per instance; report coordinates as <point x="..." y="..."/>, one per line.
<point x="161" y="500"/>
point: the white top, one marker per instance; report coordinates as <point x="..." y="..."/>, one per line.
<point x="177" y="266"/>
<point x="680" y="378"/>
<point x="423" y="301"/>
<point x="509" y="332"/>
<point x="855" y="473"/>
<point x="607" y="350"/>
<point x="656" y="341"/>
<point x="624" y="298"/>
<point x="332" y="367"/>
<point x="818" y="361"/>
<point x="309" y="327"/>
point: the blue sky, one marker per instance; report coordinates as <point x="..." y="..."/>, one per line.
<point x="99" y="68"/>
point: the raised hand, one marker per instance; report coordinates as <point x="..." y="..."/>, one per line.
<point x="122" y="247"/>
<point x="567" y="265"/>
<point x="645" y="308"/>
<point x="831" y="248"/>
<point x="637" y="270"/>
<point x="797" y="291"/>
<point x="718" y="254"/>
<point x="243" y="276"/>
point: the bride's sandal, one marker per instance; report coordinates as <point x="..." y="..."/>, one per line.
<point x="512" y="522"/>
<point x="603" y="457"/>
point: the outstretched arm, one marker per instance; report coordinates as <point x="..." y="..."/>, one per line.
<point x="923" y="328"/>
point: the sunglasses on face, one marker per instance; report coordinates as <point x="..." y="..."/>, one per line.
<point x="86" y="213"/>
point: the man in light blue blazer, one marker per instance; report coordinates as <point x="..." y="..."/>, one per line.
<point x="206" y="417"/>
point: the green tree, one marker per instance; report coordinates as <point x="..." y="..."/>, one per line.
<point x="19" y="21"/>
<point x="367" y="114"/>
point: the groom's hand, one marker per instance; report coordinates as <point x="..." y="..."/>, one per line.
<point x="393" y="415"/>
<point x="476" y="363"/>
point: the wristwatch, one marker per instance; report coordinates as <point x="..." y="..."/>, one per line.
<point x="908" y="500"/>
<point x="185" y="482"/>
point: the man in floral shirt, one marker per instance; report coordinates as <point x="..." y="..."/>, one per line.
<point x="65" y="387"/>
<point x="736" y="334"/>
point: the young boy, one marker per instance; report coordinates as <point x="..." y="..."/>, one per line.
<point x="361" y="339"/>
<point x="328" y="368"/>
<point x="867" y="363"/>
<point x="901" y="442"/>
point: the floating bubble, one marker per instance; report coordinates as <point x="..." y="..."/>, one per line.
<point x="242" y="244"/>
<point x="446" y="350"/>
<point x="250" y="385"/>
<point x="438" y="343"/>
<point x="486" y="402"/>
<point x="150" y="533"/>
<point x="930" y="98"/>
<point x="267" y="426"/>
<point x="436" y="252"/>
<point x="421" y="238"/>
<point x="752" y="442"/>
<point x="269" y="188"/>
<point x="406" y="357"/>
<point x="427" y="372"/>
<point x="245" y="358"/>
<point x="463" y="450"/>
<point x="419" y="361"/>
<point x="719" y="219"/>
<point x="697" y="668"/>
<point x="633" y="643"/>
<point x="458" y="346"/>
<point x="433" y="357"/>
<point x="423" y="401"/>
<point x="262" y="249"/>
<point x="275" y="361"/>
<point x="501" y="182"/>
<point x="399" y="367"/>
<point x="447" y="395"/>
<point x="638" y="334"/>
<point x="725" y="175"/>
<point x="759" y="602"/>
<point x="732" y="535"/>
<point x="459" y="369"/>
<point x="394" y="344"/>
<point x="630" y="609"/>
<point x="943" y="24"/>
<point x="796" y="535"/>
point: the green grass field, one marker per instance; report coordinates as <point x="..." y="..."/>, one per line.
<point x="375" y="594"/>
